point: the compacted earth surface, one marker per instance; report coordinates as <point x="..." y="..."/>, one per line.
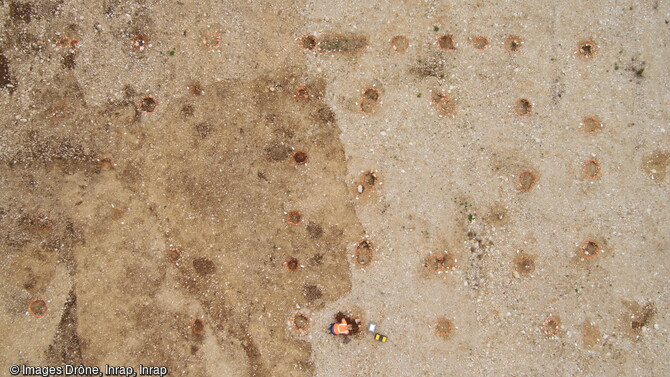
<point x="207" y="186"/>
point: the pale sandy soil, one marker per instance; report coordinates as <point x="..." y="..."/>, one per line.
<point x="132" y="219"/>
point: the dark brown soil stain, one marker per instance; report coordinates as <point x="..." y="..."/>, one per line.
<point x="314" y="230"/>
<point x="440" y="262"/>
<point x="198" y="326"/>
<point x="212" y="191"/>
<point x="20" y="12"/>
<point x="637" y="317"/>
<point x="370" y="179"/>
<point x="312" y="292"/>
<point x="148" y="104"/>
<point x="66" y="346"/>
<point x="524" y="264"/>
<point x="446" y="42"/>
<point x="655" y="165"/>
<point x="38" y="307"/>
<point x="256" y="365"/>
<point x="5" y="78"/>
<point x="523" y="107"/>
<point x="292" y="264"/>
<point x="364" y="245"/>
<point x="69" y="61"/>
<point x="325" y="115"/>
<point x="586" y="50"/>
<point x="431" y="66"/>
<point x="204" y="266"/>
<point x="308" y="42"/>
<point x="196" y="89"/>
<point x="300" y="157"/>
<point x="371" y="95"/>
<point x="278" y="151"/>
<point x="204" y="129"/>
<point x="187" y="110"/>
<point x="347" y="44"/>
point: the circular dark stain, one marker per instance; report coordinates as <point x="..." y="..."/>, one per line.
<point x="371" y="95"/>
<point x="590" y="248"/>
<point x="524" y="264"/>
<point x="312" y="292"/>
<point x="523" y="107"/>
<point x="294" y="217"/>
<point x="38" y="308"/>
<point x="308" y="42"/>
<point x="292" y="264"/>
<point x="315" y="231"/>
<point x="203" y="266"/>
<point x="369" y="179"/>
<point x="300" y="157"/>
<point x="367" y="107"/>
<point x="187" y="111"/>
<point x="526" y="180"/>
<point x="196" y="89"/>
<point x="148" y="104"/>
<point x="513" y="43"/>
<point x="198" y="326"/>
<point x="446" y="42"/>
<point x="586" y="50"/>
<point x="444" y="327"/>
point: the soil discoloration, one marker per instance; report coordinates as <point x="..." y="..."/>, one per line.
<point x="637" y="317"/>
<point x="655" y="165"/>
<point x="343" y="44"/>
<point x="524" y="264"/>
<point x="66" y="345"/>
<point x="6" y="81"/>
